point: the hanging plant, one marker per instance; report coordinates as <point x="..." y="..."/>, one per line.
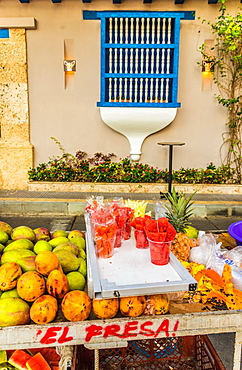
<point x="228" y="77"/>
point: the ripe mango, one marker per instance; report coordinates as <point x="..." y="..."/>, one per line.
<point x="41" y="233"/>
<point x="23" y="232"/>
<point x="58" y="233"/>
<point x="74" y="233"/>
<point x="4" y="226"/>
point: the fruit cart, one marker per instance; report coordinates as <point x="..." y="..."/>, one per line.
<point x="117" y="332"/>
<point x="132" y="341"/>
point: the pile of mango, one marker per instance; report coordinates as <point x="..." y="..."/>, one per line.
<point x="37" y="269"/>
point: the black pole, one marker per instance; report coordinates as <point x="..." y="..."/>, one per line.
<point x="170" y="167"/>
<point x="170" y="144"/>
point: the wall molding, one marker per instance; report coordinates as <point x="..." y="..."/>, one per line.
<point x="29" y="23"/>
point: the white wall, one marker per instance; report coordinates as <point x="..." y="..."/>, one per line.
<point x="73" y="117"/>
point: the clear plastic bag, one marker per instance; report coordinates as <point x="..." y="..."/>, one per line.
<point x="234" y="255"/>
<point x="160" y="210"/>
<point x="205" y="252"/>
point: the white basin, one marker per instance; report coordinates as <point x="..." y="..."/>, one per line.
<point x="136" y="123"/>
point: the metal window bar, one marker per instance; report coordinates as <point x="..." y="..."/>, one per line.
<point x="143" y="90"/>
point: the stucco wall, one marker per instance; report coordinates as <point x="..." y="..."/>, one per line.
<point x="71" y="115"/>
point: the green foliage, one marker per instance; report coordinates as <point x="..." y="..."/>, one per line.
<point x="178" y="209"/>
<point x="101" y="168"/>
<point x="228" y="76"/>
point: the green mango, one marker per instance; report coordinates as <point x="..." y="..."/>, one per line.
<point x="20" y="244"/>
<point x="10" y="293"/>
<point x="68" y="247"/>
<point x="27" y="263"/>
<point x="69" y="262"/>
<point x="15" y="254"/>
<point x="76" y="280"/>
<point x="14" y="311"/>
<point x="58" y="240"/>
<point x="79" y="241"/>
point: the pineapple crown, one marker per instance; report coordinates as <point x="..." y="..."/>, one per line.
<point x="178" y="209"/>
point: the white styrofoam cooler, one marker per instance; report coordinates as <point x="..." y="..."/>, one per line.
<point x="130" y="272"/>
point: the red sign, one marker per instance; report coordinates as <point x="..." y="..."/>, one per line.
<point x="59" y="335"/>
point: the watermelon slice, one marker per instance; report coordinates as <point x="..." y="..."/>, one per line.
<point x="49" y="353"/>
<point x="37" y="362"/>
<point x="19" y="359"/>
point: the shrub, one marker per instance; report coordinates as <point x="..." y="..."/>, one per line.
<point x="66" y="169"/>
<point x="101" y="168"/>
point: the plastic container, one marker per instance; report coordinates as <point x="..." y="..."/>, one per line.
<point x="235" y="230"/>
<point x="141" y="240"/>
<point x="159" y="252"/>
<point x="193" y="352"/>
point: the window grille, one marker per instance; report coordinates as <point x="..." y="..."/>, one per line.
<point x="139" y="57"/>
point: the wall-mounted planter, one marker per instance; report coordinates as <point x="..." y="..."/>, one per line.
<point x="131" y="187"/>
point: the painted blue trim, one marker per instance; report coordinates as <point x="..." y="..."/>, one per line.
<point x="140" y="75"/>
<point x="93" y="14"/>
<point x="56" y="1"/>
<point x="103" y="52"/>
<point x="112" y="81"/>
<point x="146" y="105"/>
<point x="139" y="46"/>
<point x="24" y="1"/>
<point x="4" y="33"/>
<point x="176" y="59"/>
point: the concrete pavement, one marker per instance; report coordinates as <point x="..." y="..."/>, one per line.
<point x="23" y="202"/>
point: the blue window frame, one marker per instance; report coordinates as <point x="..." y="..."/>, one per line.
<point x="139" y="57"/>
<point x="4" y="33"/>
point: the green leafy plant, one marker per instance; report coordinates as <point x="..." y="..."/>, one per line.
<point x="228" y="77"/>
<point x="102" y="168"/>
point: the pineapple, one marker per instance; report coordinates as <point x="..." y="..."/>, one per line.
<point x="178" y="212"/>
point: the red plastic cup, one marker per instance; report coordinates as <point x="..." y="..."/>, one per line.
<point x="105" y="247"/>
<point x="141" y="239"/>
<point x="127" y="231"/>
<point x="127" y="226"/>
<point x="118" y="238"/>
<point x="159" y="252"/>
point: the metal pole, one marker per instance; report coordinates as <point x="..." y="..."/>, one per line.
<point x="170" y="167"/>
<point x="170" y="144"/>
